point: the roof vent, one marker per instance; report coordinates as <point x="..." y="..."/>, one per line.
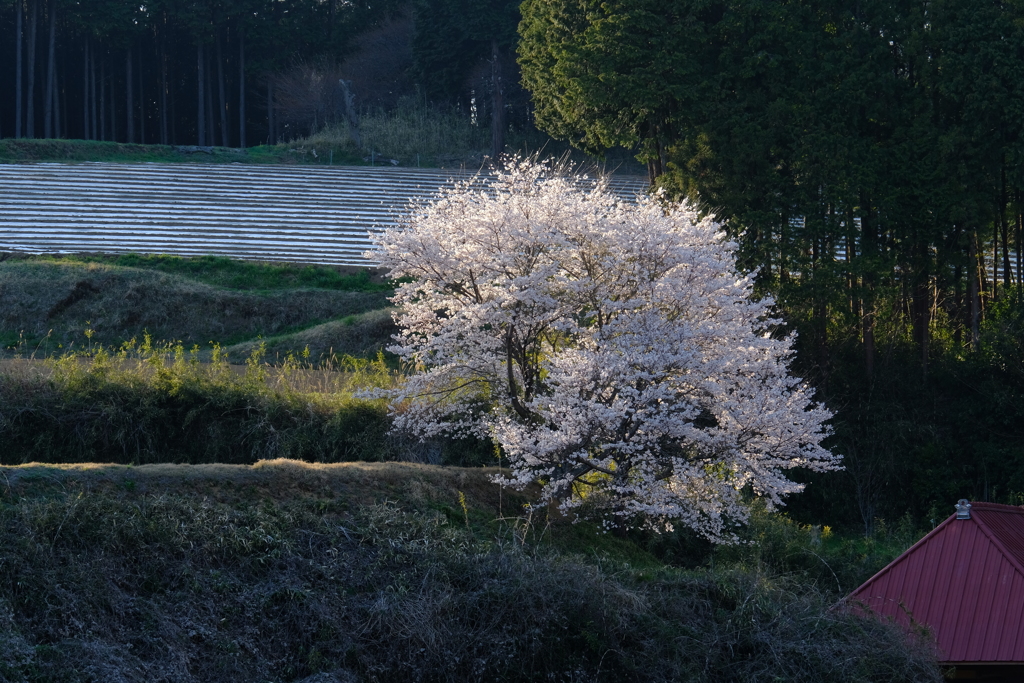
<point x="963" y="509"/>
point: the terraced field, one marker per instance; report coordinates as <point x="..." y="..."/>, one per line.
<point x="271" y="213"/>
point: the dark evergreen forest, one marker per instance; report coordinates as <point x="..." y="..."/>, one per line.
<point x="868" y="157"/>
<point x="243" y="72"/>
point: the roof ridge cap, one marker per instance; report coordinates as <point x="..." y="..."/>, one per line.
<point x="997" y="506"/>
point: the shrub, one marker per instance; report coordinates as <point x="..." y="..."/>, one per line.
<point x="114" y="584"/>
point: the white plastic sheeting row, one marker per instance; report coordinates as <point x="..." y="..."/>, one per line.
<point x="271" y="213"/>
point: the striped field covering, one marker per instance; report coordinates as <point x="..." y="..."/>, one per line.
<point x="268" y="213"/>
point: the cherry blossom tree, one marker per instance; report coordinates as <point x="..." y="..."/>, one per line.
<point x="609" y="348"/>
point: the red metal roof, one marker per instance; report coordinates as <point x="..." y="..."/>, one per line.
<point x="965" y="581"/>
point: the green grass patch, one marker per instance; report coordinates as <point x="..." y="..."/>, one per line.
<point x="222" y="271"/>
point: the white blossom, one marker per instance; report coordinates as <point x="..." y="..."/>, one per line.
<point x="609" y="348"/>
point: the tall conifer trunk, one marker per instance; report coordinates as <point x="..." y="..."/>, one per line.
<point x="241" y="88"/>
<point x="497" y="104"/>
<point x="1020" y="244"/>
<point x="51" y="71"/>
<point x="103" y="98"/>
<point x="142" y="99"/>
<point x="211" y="133"/>
<point x="271" y="123"/>
<point x="201" y="109"/>
<point x="30" y="114"/>
<point x="85" y="91"/>
<point x="94" y="132"/>
<point x="1004" y="230"/>
<point x="224" y="137"/>
<point x="129" y="103"/>
<point x="60" y="104"/>
<point x="995" y="260"/>
<point x="869" y="245"/>
<point x="113" y="107"/>
<point x="922" y="308"/>
<point x="163" y="90"/>
<point x="19" y="48"/>
<point x="974" y="290"/>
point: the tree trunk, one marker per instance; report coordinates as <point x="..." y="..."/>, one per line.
<point x="18" y="103"/>
<point x="869" y="244"/>
<point x="1020" y="244"/>
<point x="241" y="88"/>
<point x="211" y="134"/>
<point x="51" y="71"/>
<point x="103" y="99"/>
<point x="142" y="100"/>
<point x="974" y="290"/>
<point x="201" y="112"/>
<point x="172" y="102"/>
<point x="163" y="91"/>
<point x="129" y="104"/>
<point x="922" y="317"/>
<point x="60" y="103"/>
<point x="224" y="137"/>
<point x="958" y="304"/>
<point x="30" y="114"/>
<point x="497" y="105"/>
<point x="113" y="107"/>
<point x="995" y="260"/>
<point x="92" y="93"/>
<point x="1004" y="230"/>
<point x="85" y="91"/>
<point x="271" y="136"/>
<point x="821" y="248"/>
<point x="351" y="116"/>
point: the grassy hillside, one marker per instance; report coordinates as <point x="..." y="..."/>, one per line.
<point x="381" y="572"/>
<point x="263" y="363"/>
<point x="51" y="305"/>
<point x="407" y="136"/>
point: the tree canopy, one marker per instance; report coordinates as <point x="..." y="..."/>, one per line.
<point x="609" y="349"/>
